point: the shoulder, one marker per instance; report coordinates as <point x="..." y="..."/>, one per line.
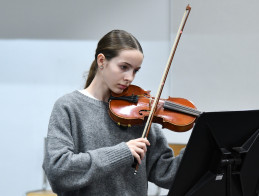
<point x="69" y="105"/>
<point x="78" y="101"/>
<point x="67" y="99"/>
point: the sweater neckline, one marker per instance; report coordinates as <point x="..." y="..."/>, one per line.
<point x="91" y="100"/>
<point x="86" y="93"/>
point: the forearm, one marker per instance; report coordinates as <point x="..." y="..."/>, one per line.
<point x="69" y="171"/>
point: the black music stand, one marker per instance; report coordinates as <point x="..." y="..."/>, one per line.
<point x="221" y="157"/>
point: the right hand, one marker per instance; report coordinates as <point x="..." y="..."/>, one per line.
<point x="138" y="148"/>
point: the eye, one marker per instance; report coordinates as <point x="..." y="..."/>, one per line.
<point x="136" y="70"/>
<point x="124" y="67"/>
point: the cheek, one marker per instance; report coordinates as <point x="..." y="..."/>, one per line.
<point x="111" y="75"/>
<point x="114" y="72"/>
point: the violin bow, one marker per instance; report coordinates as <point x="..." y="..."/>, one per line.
<point x="162" y="83"/>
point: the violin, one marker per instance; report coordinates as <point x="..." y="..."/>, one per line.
<point x="133" y="106"/>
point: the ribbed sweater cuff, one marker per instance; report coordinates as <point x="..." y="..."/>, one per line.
<point x="113" y="157"/>
<point x="120" y="155"/>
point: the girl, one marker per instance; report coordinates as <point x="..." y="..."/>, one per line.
<point x="89" y="154"/>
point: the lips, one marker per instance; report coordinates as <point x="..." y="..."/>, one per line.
<point x="122" y="87"/>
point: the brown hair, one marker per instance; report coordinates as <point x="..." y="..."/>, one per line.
<point x="110" y="45"/>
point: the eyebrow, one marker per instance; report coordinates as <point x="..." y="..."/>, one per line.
<point x="131" y="65"/>
<point x="127" y="64"/>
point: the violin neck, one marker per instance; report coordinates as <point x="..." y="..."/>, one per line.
<point x="181" y="108"/>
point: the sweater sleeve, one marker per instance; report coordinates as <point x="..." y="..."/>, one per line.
<point x="67" y="170"/>
<point x="163" y="164"/>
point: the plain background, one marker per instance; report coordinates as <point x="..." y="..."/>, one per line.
<point x="47" y="46"/>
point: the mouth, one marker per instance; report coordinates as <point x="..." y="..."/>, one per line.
<point x="122" y="87"/>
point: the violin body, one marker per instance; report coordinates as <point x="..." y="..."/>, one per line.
<point x="176" y="114"/>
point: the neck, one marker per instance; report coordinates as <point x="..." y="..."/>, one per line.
<point x="98" y="90"/>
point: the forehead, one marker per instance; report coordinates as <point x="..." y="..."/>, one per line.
<point x="132" y="57"/>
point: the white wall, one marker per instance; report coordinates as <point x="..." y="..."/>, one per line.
<point x="46" y="46"/>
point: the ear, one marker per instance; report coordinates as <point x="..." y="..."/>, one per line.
<point x="100" y="59"/>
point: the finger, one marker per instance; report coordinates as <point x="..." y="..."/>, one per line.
<point x="142" y="146"/>
<point x="138" y="147"/>
<point x="147" y="142"/>
<point x="140" y="152"/>
<point x="137" y="157"/>
<point x="135" y="151"/>
<point x="143" y="140"/>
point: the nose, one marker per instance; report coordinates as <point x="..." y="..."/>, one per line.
<point x="129" y="76"/>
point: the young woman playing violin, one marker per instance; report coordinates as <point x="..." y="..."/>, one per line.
<point x="89" y="154"/>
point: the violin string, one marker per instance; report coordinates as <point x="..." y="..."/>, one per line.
<point x="181" y="108"/>
<point x="175" y="106"/>
<point x="185" y="108"/>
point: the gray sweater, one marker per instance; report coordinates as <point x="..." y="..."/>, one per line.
<point x="86" y="153"/>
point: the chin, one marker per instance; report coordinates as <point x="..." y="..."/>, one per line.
<point x="117" y="91"/>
